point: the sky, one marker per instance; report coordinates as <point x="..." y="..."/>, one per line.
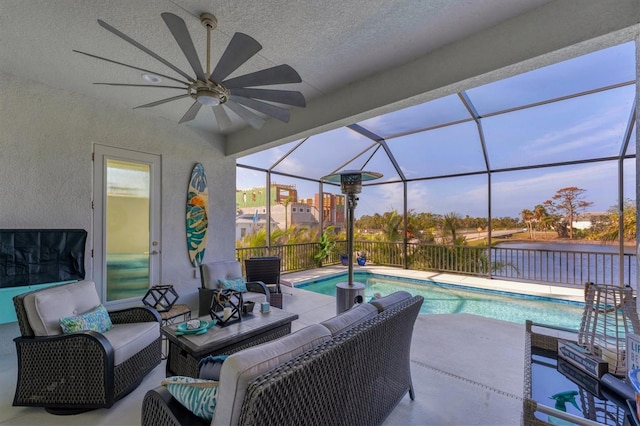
<point x="585" y="127"/>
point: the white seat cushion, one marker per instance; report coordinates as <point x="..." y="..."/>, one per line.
<point x="44" y="308"/>
<point x="242" y="367"/>
<point x="349" y="318"/>
<point x="254" y="297"/>
<point x="390" y="300"/>
<point x="129" y="339"/>
<point x="214" y="271"/>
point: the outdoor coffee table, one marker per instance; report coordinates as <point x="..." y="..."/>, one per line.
<point x="185" y="351"/>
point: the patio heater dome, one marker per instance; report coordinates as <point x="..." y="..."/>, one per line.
<point x="350" y="184"/>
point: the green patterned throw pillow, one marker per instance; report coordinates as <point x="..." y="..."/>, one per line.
<point x="196" y="395"/>
<point x="97" y="320"/>
<point x="237" y="284"/>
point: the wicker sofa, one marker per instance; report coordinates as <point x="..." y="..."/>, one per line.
<point x="71" y="373"/>
<point x="351" y="369"/>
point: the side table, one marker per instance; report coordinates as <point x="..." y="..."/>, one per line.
<point x="555" y="392"/>
<point x="170" y="317"/>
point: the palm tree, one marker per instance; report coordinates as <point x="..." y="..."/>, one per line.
<point x="527" y="218"/>
<point x="450" y="225"/>
<point x="391" y="224"/>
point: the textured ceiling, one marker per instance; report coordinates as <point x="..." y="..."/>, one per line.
<point x="335" y="45"/>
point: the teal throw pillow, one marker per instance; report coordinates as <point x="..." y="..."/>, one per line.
<point x="196" y="395"/>
<point x="237" y="284"/>
<point x="97" y="320"/>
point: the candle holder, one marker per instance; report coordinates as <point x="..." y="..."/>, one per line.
<point x="160" y="297"/>
<point x="226" y="307"/>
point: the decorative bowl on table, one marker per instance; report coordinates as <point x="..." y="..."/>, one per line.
<point x="194" y="327"/>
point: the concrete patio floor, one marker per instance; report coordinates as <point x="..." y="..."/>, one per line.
<point x="466" y="370"/>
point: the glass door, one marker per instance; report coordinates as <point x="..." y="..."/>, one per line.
<point x="126" y="211"/>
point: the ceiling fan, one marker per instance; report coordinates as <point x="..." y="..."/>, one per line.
<point x="210" y="88"/>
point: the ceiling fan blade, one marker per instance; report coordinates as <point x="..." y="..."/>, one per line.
<point x="280" y="74"/>
<point x="253" y="120"/>
<point x="180" y="32"/>
<point x="240" y="49"/>
<point x="288" y="97"/>
<point x="140" y="85"/>
<point x="265" y="108"/>
<point x="163" y="101"/>
<point x="144" y="49"/>
<point x="191" y="112"/>
<point x="132" y="67"/>
<point x="222" y="118"/>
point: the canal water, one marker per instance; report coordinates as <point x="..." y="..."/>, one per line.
<point x="570" y="263"/>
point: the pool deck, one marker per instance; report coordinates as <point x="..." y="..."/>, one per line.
<point x="466" y="369"/>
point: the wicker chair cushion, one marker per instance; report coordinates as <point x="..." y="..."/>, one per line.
<point x="349" y="318"/>
<point x="390" y="300"/>
<point x="96" y="319"/>
<point x="196" y="395"/>
<point x="215" y="271"/>
<point x="242" y="367"/>
<point x="130" y="338"/>
<point x="45" y="308"/>
<point x="252" y="296"/>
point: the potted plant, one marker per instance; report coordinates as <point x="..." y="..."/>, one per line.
<point x="344" y="259"/>
<point x="327" y="246"/>
<point x="362" y="258"/>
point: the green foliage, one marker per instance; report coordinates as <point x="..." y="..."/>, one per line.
<point x="327" y="245"/>
<point x="608" y="228"/>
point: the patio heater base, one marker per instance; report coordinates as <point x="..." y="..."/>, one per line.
<point x="346" y="295"/>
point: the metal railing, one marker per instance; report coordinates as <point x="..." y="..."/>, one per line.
<point x="564" y="267"/>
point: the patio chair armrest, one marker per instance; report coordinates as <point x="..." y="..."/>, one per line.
<point x="50" y="365"/>
<point x="259" y="287"/>
<point x="160" y="408"/>
<point x="136" y="314"/>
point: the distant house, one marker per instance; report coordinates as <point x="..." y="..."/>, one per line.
<point x="249" y="223"/>
<point x="589" y="220"/>
<point x="286" y="209"/>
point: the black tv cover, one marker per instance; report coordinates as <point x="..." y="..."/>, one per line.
<point x="38" y="256"/>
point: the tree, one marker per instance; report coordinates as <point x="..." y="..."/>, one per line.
<point x="450" y="225"/>
<point x="527" y="218"/>
<point x="569" y="202"/>
<point x="391" y="223"/>
<point x="611" y="229"/>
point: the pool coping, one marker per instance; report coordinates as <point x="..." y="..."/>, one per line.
<point x="532" y="289"/>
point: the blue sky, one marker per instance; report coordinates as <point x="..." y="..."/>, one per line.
<point x="579" y="128"/>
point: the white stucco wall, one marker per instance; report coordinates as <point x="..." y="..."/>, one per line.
<point x="46" y="173"/>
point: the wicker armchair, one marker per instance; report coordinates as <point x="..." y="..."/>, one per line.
<point x="211" y="273"/>
<point x="267" y="270"/>
<point x="72" y="373"/>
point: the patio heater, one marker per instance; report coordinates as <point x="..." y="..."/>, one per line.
<point x="348" y="293"/>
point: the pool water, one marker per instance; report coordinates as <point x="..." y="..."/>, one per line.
<point x="441" y="298"/>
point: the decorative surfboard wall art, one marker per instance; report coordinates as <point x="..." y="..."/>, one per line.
<point x="197" y="215"/>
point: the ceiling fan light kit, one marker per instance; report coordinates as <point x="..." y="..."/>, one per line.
<point x="151" y="78"/>
<point x="212" y="88"/>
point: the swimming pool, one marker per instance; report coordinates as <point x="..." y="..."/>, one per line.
<point x="442" y="298"/>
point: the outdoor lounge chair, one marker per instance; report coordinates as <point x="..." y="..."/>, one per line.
<point x="267" y="270"/>
<point x="81" y="370"/>
<point x="210" y="276"/>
